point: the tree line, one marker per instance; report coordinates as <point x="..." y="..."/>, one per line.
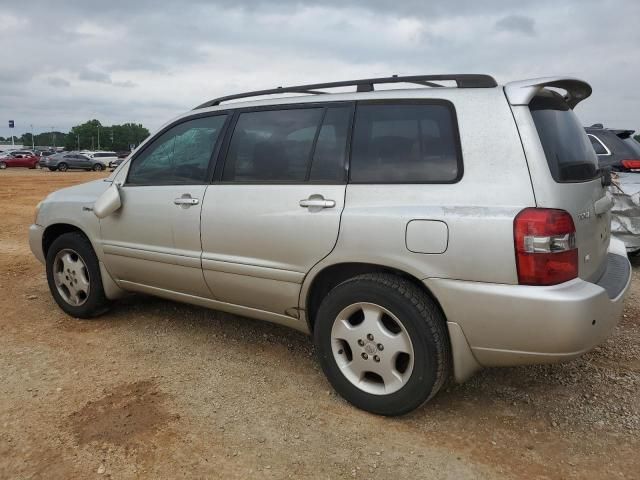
<point x="90" y="135"/>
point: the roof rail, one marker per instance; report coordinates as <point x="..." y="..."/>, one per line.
<point x="366" y="85"/>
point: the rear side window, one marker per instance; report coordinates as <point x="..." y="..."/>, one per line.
<point x="405" y="143"/>
<point x="597" y="145"/>
<point x="272" y="145"/>
<point x="569" y="152"/>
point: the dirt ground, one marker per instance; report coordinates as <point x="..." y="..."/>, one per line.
<point x="155" y="389"/>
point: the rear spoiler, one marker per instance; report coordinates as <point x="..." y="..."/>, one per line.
<point x="521" y="92"/>
<point x="623" y="134"/>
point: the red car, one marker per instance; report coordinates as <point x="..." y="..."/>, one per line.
<point x="18" y="159"/>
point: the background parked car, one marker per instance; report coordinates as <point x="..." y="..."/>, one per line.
<point x="105" y="157"/>
<point x="615" y="148"/>
<point x="19" y="158"/>
<point x="71" y="160"/>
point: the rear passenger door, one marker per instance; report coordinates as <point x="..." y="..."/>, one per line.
<point x="274" y="209"/>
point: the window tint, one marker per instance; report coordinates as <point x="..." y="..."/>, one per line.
<point x="404" y="144"/>
<point x="331" y="146"/>
<point x="273" y="145"/>
<point x="180" y="156"/>
<point x="633" y="145"/>
<point x="569" y="153"/>
<point x="597" y="146"/>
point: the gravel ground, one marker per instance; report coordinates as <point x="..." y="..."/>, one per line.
<point x="155" y="389"/>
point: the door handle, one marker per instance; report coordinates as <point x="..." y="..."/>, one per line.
<point x="316" y="202"/>
<point x="186" y="201"/>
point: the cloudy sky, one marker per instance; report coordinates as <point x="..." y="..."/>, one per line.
<point x="146" y="61"/>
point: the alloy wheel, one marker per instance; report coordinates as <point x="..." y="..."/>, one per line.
<point x="372" y="348"/>
<point x="71" y="277"/>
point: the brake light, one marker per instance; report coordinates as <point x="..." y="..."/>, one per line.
<point x="631" y="164"/>
<point x="545" y="244"/>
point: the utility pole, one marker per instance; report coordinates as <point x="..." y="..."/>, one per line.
<point x="98" y="137"/>
<point x="53" y="135"/>
<point x="78" y="142"/>
<point x="33" y="140"/>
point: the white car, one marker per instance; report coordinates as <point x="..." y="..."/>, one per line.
<point x="104" y="157"/>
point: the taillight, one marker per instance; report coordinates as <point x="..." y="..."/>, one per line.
<point x="545" y="243"/>
<point x="631" y="164"/>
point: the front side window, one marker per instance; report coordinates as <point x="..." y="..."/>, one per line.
<point x="405" y="143"/>
<point x="569" y="152"/>
<point x="180" y="156"/>
<point x="272" y="145"/>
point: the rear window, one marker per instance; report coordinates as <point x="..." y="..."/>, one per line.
<point x="569" y="152"/>
<point x="405" y="143"/>
<point x="633" y="145"/>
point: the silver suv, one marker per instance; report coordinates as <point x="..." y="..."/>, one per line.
<point x="414" y="233"/>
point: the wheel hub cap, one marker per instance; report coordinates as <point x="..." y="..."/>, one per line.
<point x="372" y="348"/>
<point x="71" y="277"/>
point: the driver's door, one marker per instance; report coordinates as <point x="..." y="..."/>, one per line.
<point x="153" y="241"/>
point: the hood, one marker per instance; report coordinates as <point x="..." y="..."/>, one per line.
<point x="83" y="193"/>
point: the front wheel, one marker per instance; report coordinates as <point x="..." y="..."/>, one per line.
<point x="382" y="343"/>
<point x="98" y="167"/>
<point x="63" y="167"/>
<point x="73" y="275"/>
<point x="3" y="165"/>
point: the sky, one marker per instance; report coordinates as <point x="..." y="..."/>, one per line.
<point x="62" y="63"/>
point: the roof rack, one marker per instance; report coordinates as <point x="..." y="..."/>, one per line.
<point x="366" y="85"/>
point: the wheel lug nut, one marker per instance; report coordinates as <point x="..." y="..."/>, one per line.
<point x="361" y="342"/>
<point x="364" y="355"/>
<point x="376" y="358"/>
<point x="369" y="336"/>
<point x="380" y="347"/>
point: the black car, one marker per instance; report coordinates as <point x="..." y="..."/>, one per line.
<point x="615" y="148"/>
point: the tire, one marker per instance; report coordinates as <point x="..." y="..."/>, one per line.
<point x="404" y="312"/>
<point x="75" y="282"/>
<point x="63" y="167"/>
<point x="3" y="165"/>
<point x="98" y="167"/>
<point x="53" y="169"/>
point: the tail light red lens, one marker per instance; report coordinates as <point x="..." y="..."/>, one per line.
<point x="546" y="253"/>
<point x="631" y="164"/>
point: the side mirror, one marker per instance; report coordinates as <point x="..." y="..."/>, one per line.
<point x="108" y="202"/>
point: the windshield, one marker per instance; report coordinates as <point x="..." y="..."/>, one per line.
<point x="569" y="153"/>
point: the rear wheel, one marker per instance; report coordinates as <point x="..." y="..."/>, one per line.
<point x="98" y="167"/>
<point x="382" y="343"/>
<point x="3" y="165"/>
<point x="73" y="275"/>
<point x="63" y="167"/>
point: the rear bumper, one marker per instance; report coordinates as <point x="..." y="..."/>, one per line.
<point x="35" y="241"/>
<point x="506" y="325"/>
